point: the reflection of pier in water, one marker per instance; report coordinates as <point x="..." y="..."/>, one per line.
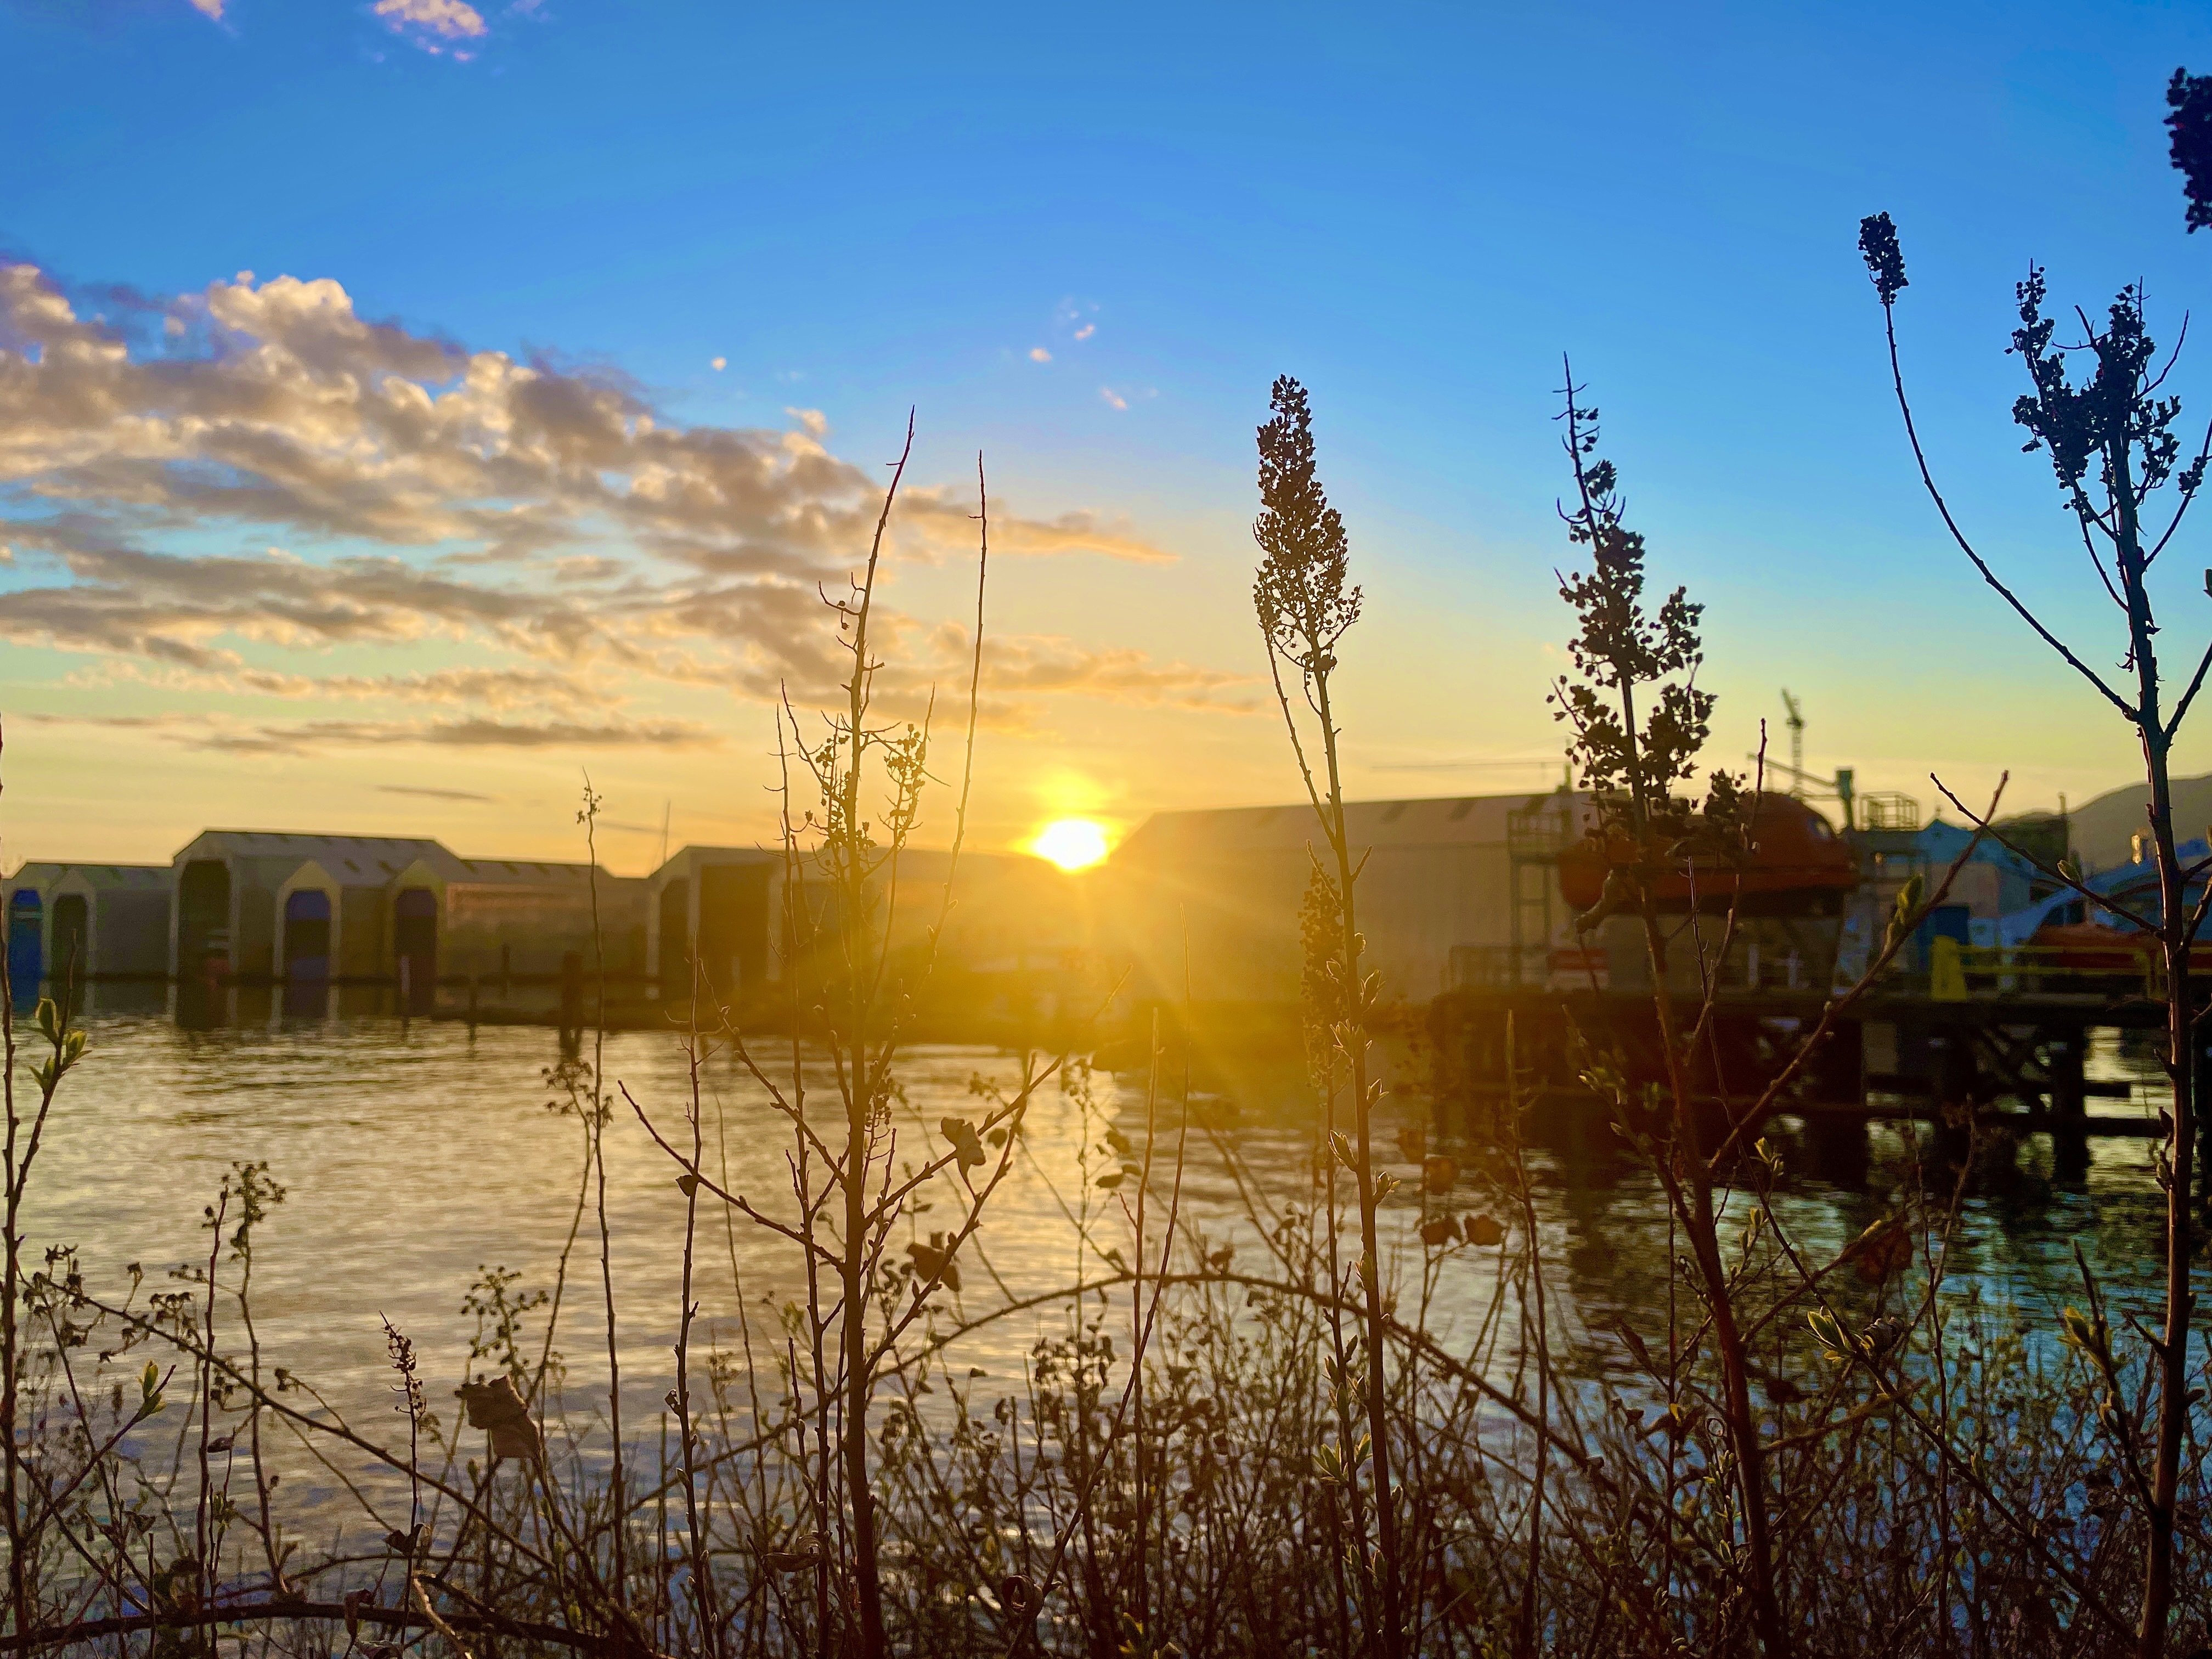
<point x="2011" y="1064"/>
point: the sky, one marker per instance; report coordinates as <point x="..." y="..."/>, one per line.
<point x="408" y="408"/>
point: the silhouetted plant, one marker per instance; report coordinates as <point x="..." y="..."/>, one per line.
<point x="2112" y="446"/>
<point x="1305" y="607"/>
<point x="1630" y="760"/>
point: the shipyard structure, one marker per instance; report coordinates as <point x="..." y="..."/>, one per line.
<point x="1483" y="919"/>
<point x="370" y="923"/>
<point x="1476" y="914"/>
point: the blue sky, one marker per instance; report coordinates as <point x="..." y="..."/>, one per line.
<point x="1415" y="210"/>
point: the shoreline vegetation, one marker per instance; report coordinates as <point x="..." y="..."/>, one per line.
<point x="1261" y="1446"/>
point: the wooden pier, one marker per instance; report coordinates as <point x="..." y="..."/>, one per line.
<point x="2014" y="1058"/>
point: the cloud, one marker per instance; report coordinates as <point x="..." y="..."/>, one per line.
<point x="429" y="22"/>
<point x="466" y="734"/>
<point x="718" y="364"/>
<point x="211" y="9"/>
<point x="1039" y="354"/>
<point x="224" y="735"/>
<point x="428" y="793"/>
<point x="1017" y="668"/>
<point x="1086" y="331"/>
<point x="1113" y="400"/>
<point x="492" y="688"/>
<point x="1074" y="532"/>
<point x="193" y="486"/>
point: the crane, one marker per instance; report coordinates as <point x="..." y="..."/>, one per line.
<point x="1842" y="788"/>
<point x="1796" y="724"/>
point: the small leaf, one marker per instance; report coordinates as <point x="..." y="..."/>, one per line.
<point x="688" y="1185"/>
<point x="931" y="1261"/>
<point x="1484" y="1230"/>
<point x="1828" y="1331"/>
<point x="1439" y="1232"/>
<point x="1439" y="1173"/>
<point x="967" y="1145"/>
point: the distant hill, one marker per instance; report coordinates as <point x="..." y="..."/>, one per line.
<point x="2104" y="828"/>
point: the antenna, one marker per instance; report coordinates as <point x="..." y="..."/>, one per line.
<point x="664" y="806"/>
<point x="1796" y="724"/>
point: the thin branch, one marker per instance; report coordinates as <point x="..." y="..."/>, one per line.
<point x="1928" y="480"/>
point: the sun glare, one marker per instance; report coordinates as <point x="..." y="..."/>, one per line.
<point x="1071" y="843"/>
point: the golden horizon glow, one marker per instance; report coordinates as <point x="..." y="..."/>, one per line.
<point x="1071" y="843"/>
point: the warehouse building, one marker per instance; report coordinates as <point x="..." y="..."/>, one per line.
<point x="1451" y="892"/>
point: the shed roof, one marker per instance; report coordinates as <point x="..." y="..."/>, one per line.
<point x="374" y="861"/>
<point x="349" y="860"/>
<point x="689" y="856"/>
<point x="523" y="873"/>
<point x="130" y="878"/>
<point x="1464" y="820"/>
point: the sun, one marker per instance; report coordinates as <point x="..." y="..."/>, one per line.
<point x="1071" y="843"/>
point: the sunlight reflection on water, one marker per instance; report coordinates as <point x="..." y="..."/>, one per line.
<point x="415" y="1154"/>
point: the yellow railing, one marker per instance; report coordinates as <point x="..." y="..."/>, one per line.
<point x="1957" y="972"/>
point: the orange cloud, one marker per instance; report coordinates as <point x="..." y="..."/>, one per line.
<point x="551" y="516"/>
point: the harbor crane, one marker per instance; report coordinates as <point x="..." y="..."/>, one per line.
<point x="1811" y="785"/>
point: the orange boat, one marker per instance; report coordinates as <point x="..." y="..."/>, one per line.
<point x="1797" y="867"/>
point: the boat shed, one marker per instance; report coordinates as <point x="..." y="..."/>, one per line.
<point x="83" y="921"/>
<point x="1451" y="892"/>
<point x="269" y="904"/>
<point x="712" y="909"/>
<point x="495" y="919"/>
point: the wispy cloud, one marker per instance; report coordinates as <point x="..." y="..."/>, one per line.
<point x="428" y="793"/>
<point x="211" y="9"/>
<point x="1112" y="398"/>
<point x="1039" y="354"/>
<point x="226" y="736"/>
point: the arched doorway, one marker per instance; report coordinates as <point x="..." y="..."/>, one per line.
<point x="27" y="967"/>
<point x="734" y="927"/>
<point x="307" y="935"/>
<point x="414" y="947"/>
<point x="72" y="941"/>
<point x="203" y="921"/>
<point x="675" y="965"/>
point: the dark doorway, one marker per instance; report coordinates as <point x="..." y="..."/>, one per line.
<point x="415" y="946"/>
<point x="307" y="935"/>
<point x="733" y="926"/>
<point x="26" y="921"/>
<point x="675" y="965"/>
<point x="203" y="921"/>
<point x="72" y="957"/>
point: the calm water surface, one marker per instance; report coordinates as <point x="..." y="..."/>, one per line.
<point x="413" y="1156"/>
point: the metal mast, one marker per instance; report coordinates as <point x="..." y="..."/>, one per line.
<point x="1796" y="724"/>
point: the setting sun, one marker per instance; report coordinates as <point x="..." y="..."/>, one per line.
<point x="1071" y="843"/>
